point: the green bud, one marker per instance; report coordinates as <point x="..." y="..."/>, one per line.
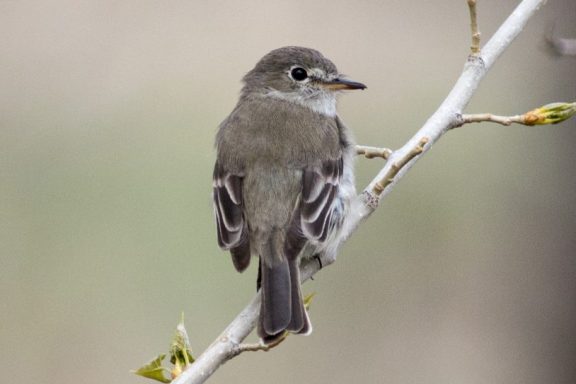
<point x="552" y="113"/>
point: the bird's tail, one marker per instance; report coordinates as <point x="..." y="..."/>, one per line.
<point x="282" y="308"/>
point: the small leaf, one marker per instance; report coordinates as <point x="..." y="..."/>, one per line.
<point x="180" y="351"/>
<point x="308" y="300"/>
<point x="153" y="370"/>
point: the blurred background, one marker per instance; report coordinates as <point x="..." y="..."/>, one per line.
<point x="108" y="109"/>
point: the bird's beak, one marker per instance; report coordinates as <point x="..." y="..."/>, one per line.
<point x="338" y="84"/>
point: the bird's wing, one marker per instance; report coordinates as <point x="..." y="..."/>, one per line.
<point x="230" y="223"/>
<point x="313" y="215"/>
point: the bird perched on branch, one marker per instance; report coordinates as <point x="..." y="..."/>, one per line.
<point x="283" y="178"/>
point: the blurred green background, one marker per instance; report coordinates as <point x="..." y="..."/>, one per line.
<point x="466" y="274"/>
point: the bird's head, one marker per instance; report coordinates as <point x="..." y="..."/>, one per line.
<point x="300" y="75"/>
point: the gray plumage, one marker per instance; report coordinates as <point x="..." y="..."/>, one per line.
<point x="283" y="177"/>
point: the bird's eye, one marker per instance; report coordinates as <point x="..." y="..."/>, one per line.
<point x="299" y="74"/>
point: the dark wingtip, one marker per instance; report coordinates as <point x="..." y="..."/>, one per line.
<point x="241" y="255"/>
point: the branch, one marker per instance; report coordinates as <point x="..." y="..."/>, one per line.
<point x="562" y="46"/>
<point x="448" y="115"/>
<point x="475" y="47"/>
<point x="388" y="178"/>
<point x="488" y="117"/>
<point x="552" y="113"/>
<point x="254" y="347"/>
<point x="372" y="152"/>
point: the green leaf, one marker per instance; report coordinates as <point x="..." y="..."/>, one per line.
<point x="308" y="300"/>
<point x="154" y="370"/>
<point x="180" y="351"/>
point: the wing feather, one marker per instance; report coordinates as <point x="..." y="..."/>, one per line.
<point x="313" y="215"/>
<point x="230" y="223"/>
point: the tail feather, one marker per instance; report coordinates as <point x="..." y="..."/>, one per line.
<point x="299" y="316"/>
<point x="275" y="311"/>
<point x="282" y="308"/>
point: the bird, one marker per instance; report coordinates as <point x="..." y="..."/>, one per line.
<point x="283" y="178"/>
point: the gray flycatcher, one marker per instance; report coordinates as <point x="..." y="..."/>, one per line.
<point x="283" y="179"/>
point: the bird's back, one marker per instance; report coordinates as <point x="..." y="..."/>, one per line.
<point x="277" y="132"/>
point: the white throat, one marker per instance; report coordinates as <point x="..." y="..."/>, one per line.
<point x="323" y="102"/>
